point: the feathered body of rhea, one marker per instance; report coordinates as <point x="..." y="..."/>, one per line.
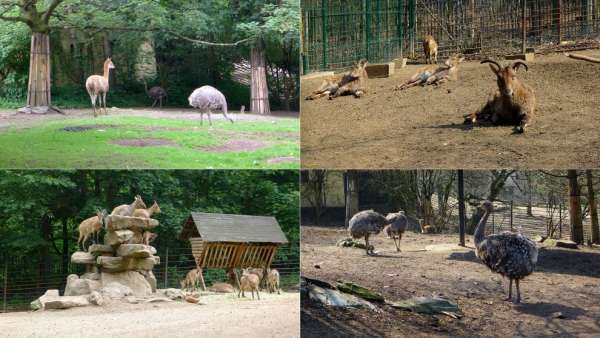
<point x="508" y="253"/>
<point x="207" y="99"/>
<point x="366" y="223"/>
<point x="396" y="227"/>
<point x="156" y="93"/>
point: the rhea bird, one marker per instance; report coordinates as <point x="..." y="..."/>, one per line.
<point x="510" y="254"/>
<point x="156" y="93"/>
<point x="396" y="227"/>
<point x="366" y="223"/>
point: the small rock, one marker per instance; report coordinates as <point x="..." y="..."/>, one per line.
<point x="558" y="315"/>
<point x="131" y="300"/>
<point x="96" y="298"/>
<point x="173" y="294"/>
<point x="191" y="299"/>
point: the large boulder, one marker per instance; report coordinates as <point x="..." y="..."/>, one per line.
<point x="38" y="304"/>
<point x="116" y="238"/>
<point x="135" y="250"/>
<point x="221" y="288"/>
<point x="91" y="275"/>
<point x="115" y="290"/>
<point x="122" y="264"/>
<point x="66" y="302"/>
<point x="134" y="280"/>
<point x="149" y="275"/>
<point x="76" y="286"/>
<point x="81" y="257"/>
<point x="139" y="224"/>
<point x="101" y="250"/>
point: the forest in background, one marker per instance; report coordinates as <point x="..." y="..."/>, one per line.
<point x="160" y="42"/>
<point x="40" y="210"/>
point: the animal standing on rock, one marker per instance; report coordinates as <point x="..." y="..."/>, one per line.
<point x="249" y="282"/>
<point x="513" y="103"/>
<point x="147" y="236"/>
<point x="430" y="48"/>
<point x="90" y="226"/>
<point x="97" y="86"/>
<point x="510" y="254"/>
<point x="352" y="83"/>
<point x="129" y="209"/>
<point x="206" y="99"/>
<point x="366" y="223"/>
<point x="156" y="93"/>
<point x="396" y="227"/>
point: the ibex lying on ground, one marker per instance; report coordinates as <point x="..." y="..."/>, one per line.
<point x="430" y="48"/>
<point x="249" y="282"/>
<point x="513" y="103"/>
<point x="352" y="83"/>
<point x="434" y="75"/>
<point x="90" y="226"/>
<point x="192" y="280"/>
<point x="128" y="209"/>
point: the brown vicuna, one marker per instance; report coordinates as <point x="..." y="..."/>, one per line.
<point x="352" y="83"/>
<point x="513" y="103"/>
<point x="430" y="48"/>
<point x="90" y="226"/>
<point x="191" y="280"/>
<point x="273" y="281"/>
<point x="147" y="213"/>
<point x="434" y="75"/>
<point x="249" y="282"/>
<point x="129" y="209"/>
<point x="97" y="86"/>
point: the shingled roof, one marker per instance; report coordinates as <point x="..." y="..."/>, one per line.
<point x="234" y="228"/>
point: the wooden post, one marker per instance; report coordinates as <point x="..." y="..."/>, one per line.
<point x="560" y="220"/>
<point x="166" y="267"/>
<point x="5" y="282"/>
<point x="511" y="215"/>
<point x="461" y="207"/>
<point x="524" y="23"/>
<point x="202" y="279"/>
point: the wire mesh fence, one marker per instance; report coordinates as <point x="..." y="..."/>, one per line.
<point x="336" y="33"/>
<point x="24" y="279"/>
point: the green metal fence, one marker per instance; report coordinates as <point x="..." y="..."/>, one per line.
<point x="337" y="33"/>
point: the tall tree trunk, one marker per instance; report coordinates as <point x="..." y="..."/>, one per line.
<point x="575" y="207"/>
<point x="593" y="207"/>
<point x="259" y="92"/>
<point x="44" y="268"/>
<point x="351" y="195"/>
<point x="38" y="89"/>
<point x="65" y="248"/>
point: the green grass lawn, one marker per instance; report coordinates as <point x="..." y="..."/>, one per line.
<point x="48" y="145"/>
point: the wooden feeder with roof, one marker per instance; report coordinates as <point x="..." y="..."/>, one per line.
<point x="230" y="242"/>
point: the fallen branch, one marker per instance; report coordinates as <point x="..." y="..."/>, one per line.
<point x="582" y="57"/>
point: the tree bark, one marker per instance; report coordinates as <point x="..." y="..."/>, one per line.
<point x="38" y="88"/>
<point x="259" y="92"/>
<point x="351" y="195"/>
<point x="593" y="207"/>
<point x="575" y="207"/>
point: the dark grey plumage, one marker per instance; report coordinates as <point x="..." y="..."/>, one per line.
<point x="510" y="254"/>
<point x="156" y="93"/>
<point x="397" y="226"/>
<point x="365" y="223"/>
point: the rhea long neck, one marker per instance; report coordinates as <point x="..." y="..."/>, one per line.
<point x="480" y="230"/>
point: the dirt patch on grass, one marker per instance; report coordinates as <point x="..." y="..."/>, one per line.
<point x="87" y="127"/>
<point x="145" y="142"/>
<point x="564" y="281"/>
<point x="237" y="145"/>
<point x="422" y="127"/>
<point x="285" y="159"/>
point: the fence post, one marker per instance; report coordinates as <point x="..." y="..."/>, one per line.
<point x="511" y="216"/>
<point x="560" y="220"/>
<point x="166" y="267"/>
<point x="367" y="29"/>
<point x="401" y="27"/>
<point x="412" y="8"/>
<point x="324" y="12"/>
<point x="524" y="23"/>
<point x="461" y="207"/>
<point x="5" y="282"/>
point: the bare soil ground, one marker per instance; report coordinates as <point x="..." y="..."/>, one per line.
<point x="565" y="281"/>
<point x="423" y="127"/>
<point x="217" y="316"/>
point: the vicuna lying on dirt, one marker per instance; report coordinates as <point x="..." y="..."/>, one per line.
<point x="352" y="83"/>
<point x="430" y="48"/>
<point x="273" y="281"/>
<point x="90" y="226"/>
<point x="249" y="282"/>
<point x="513" y="103"/>
<point x="192" y="280"/>
<point x="128" y="209"/>
<point x="435" y="75"/>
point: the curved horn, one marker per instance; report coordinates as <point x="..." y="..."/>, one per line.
<point x="492" y="62"/>
<point x="516" y="65"/>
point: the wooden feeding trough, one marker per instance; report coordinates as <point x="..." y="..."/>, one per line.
<point x="227" y="242"/>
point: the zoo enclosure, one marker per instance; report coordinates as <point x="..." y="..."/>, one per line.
<point x="17" y="291"/>
<point x="337" y="33"/>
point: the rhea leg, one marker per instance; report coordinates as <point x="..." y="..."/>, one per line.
<point x="518" y="291"/>
<point x="367" y="243"/>
<point x="510" y="289"/>
<point x="209" y="119"/>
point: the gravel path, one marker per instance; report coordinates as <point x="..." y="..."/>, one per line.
<point x="218" y="316"/>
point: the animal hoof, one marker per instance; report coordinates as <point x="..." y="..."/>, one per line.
<point x="520" y="130"/>
<point x="468" y="121"/>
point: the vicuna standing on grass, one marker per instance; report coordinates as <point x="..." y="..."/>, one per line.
<point x="129" y="209"/>
<point x="97" y="86"/>
<point x="430" y="48"/>
<point x="352" y="83"/>
<point x="249" y="282"/>
<point x="90" y="226"/>
<point x="513" y="103"/>
<point x="206" y="99"/>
